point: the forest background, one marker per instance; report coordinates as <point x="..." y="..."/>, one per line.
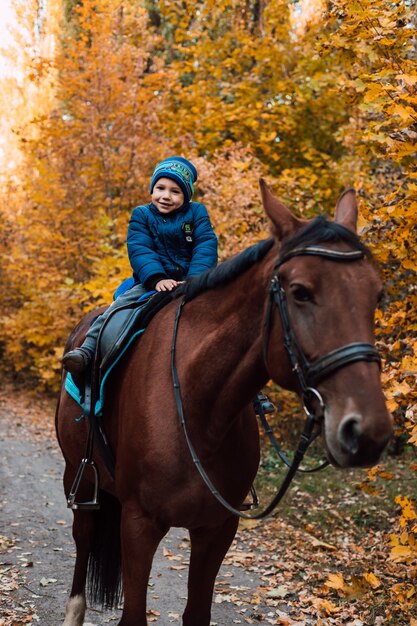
<point x="314" y="96"/>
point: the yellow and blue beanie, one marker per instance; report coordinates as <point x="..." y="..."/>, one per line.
<point x="178" y="169"/>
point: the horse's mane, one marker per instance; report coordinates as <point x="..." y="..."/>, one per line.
<point x="226" y="271"/>
<point x="319" y="231"/>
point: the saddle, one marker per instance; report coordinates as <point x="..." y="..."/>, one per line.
<point x="122" y="327"/>
<point x="119" y="331"/>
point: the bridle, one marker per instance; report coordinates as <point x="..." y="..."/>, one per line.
<point x="308" y="374"/>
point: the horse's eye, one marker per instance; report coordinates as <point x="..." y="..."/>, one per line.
<point x="302" y="294"/>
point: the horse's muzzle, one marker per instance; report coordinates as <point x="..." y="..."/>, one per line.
<point x="359" y="446"/>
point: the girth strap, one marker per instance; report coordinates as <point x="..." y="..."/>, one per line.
<point x="357" y="351"/>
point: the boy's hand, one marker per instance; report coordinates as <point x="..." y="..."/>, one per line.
<point x="167" y="284"/>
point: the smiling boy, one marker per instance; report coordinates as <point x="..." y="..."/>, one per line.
<point x="169" y="240"/>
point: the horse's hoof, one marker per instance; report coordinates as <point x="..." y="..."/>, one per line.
<point x="76" y="361"/>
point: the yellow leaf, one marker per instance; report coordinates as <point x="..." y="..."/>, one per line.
<point x="406" y="113"/>
<point x="409" y="264"/>
<point x="320" y="544"/>
<point x="407" y="507"/>
<point x="372" y="580"/>
<point x="326" y="607"/>
<point x="373" y="92"/>
<point x="392" y="405"/>
<point x="386" y="475"/>
<point x="249" y="523"/>
<point x="402" y="150"/>
<point x="357" y="587"/>
<point x="335" y="581"/>
<point x="401" y="553"/>
<point x="407" y="78"/>
<point x="404" y="538"/>
<point x="402" y="389"/>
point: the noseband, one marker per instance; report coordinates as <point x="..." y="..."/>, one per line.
<point x="311" y="373"/>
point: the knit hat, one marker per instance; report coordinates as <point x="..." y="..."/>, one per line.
<point x="178" y="169"/>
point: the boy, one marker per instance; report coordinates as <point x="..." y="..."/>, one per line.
<point x="168" y="240"/>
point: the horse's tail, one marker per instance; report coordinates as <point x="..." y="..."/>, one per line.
<point x="104" y="566"/>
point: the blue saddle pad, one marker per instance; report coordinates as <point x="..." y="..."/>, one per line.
<point x="75" y="393"/>
<point x="119" y="332"/>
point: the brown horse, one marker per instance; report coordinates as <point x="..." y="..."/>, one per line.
<point x="225" y="353"/>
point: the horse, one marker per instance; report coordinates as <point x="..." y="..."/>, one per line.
<point x="225" y="353"/>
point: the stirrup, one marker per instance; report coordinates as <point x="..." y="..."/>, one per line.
<point x="248" y="506"/>
<point x="89" y="505"/>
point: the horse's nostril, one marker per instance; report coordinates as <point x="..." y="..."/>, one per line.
<point x="349" y="434"/>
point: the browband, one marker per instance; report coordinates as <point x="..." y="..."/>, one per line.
<point x="329" y="253"/>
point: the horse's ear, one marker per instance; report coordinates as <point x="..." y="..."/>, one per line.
<point x="283" y="221"/>
<point x="347" y="210"/>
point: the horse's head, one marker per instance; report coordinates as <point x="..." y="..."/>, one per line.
<point x="326" y="290"/>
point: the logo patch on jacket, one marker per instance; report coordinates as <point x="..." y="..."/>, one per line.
<point x="188" y="230"/>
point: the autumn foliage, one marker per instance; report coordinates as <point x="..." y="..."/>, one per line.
<point x="314" y="96"/>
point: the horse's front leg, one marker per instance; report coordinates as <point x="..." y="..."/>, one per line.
<point x="208" y="549"/>
<point x="140" y="536"/>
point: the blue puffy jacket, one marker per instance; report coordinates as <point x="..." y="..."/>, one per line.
<point x="174" y="245"/>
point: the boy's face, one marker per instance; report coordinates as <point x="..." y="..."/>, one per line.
<point x="167" y="196"/>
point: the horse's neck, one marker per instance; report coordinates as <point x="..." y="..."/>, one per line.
<point x="223" y="343"/>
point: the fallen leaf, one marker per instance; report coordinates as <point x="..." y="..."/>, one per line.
<point x="279" y="592"/>
<point x="47" y="581"/>
<point x="320" y="544"/>
<point x="335" y="581"/>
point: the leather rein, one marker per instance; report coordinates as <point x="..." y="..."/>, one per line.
<point x="308" y="374"/>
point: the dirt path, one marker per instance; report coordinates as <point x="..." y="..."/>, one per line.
<point x="36" y="548"/>
<point x="322" y="560"/>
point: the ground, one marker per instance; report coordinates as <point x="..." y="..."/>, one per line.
<point x="322" y="559"/>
